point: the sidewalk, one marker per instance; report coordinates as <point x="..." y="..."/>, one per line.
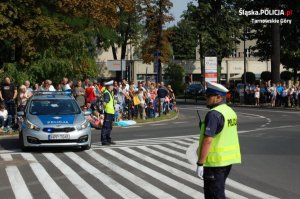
<point x="202" y="102"/>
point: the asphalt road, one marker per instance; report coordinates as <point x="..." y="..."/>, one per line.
<point x="269" y="143"/>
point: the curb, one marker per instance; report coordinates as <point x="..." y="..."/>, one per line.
<point x="3" y="137"/>
<point x="160" y="121"/>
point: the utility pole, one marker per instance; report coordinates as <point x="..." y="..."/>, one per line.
<point x="158" y="43"/>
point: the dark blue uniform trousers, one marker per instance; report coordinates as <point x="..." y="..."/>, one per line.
<point x="214" y="181"/>
<point x="106" y="128"/>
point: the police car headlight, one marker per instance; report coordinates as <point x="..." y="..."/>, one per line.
<point x="32" y="126"/>
<point x="82" y="126"/>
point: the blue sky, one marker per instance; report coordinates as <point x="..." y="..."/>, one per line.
<point x="178" y="7"/>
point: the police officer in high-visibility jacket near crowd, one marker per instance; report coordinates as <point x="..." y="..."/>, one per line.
<point x="109" y="112"/>
<point x="218" y="144"/>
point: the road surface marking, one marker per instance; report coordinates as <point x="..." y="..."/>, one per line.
<point x="105" y="179"/>
<point x="192" y="157"/>
<point x="170" y="151"/>
<point x="47" y="182"/>
<point x="79" y="183"/>
<point x="16" y="180"/>
<point x="164" y="179"/>
<point x="129" y="176"/>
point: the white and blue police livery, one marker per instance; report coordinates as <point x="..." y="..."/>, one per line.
<point x="54" y="119"/>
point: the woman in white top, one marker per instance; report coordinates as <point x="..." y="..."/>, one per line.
<point x="257" y="95"/>
<point x="273" y="91"/>
<point x="23" y="97"/>
<point x="285" y="92"/>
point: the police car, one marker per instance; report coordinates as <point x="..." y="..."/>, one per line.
<point x="54" y="119"/>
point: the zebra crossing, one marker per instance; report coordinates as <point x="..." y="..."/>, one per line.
<point x="142" y="168"/>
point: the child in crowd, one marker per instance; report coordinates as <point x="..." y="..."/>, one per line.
<point x="5" y="119"/>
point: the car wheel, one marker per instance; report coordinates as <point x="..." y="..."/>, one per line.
<point x="21" y="142"/>
<point x="86" y="147"/>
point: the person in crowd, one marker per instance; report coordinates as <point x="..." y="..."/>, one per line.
<point x="23" y="97"/>
<point x="91" y="95"/>
<point x="79" y="94"/>
<point x="284" y="96"/>
<point x="86" y="83"/>
<point x="28" y="88"/>
<point x="219" y="145"/>
<point x="8" y="95"/>
<point x="162" y="92"/>
<point x="141" y="106"/>
<point x="66" y="84"/>
<point x="257" y="95"/>
<point x="279" y="89"/>
<point x="36" y="87"/>
<point x="171" y="97"/>
<point x="273" y="93"/>
<point x="5" y="118"/>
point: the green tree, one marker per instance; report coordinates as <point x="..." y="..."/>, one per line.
<point x="184" y="40"/>
<point x="218" y="25"/>
<point x="156" y="44"/>
<point x="266" y="76"/>
<point x="286" y="75"/>
<point x="250" y="77"/>
<point x="174" y="74"/>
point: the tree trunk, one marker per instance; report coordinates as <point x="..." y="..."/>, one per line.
<point x="114" y="51"/>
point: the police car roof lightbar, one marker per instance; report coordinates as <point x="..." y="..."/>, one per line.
<point x="52" y="92"/>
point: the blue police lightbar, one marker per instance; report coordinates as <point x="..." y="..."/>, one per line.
<point x="68" y="92"/>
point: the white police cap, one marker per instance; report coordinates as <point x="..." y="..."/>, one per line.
<point x="216" y="89"/>
<point x="110" y="83"/>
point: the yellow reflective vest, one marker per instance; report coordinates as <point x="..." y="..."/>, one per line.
<point x="110" y="106"/>
<point x="225" y="148"/>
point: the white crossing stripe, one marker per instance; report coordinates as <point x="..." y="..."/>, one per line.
<point x="169" y="181"/>
<point x="47" y="182"/>
<point x="79" y="183"/>
<point x="165" y="167"/>
<point x="188" y="166"/>
<point x="108" y="181"/>
<point x="6" y="157"/>
<point x="170" y="151"/>
<point x="176" y="146"/>
<point x="16" y="180"/>
<point x="131" y="177"/>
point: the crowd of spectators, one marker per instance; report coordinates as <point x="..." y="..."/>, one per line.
<point x="132" y="101"/>
<point x="275" y="95"/>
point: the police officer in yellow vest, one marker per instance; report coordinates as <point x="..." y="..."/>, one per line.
<point x="218" y="144"/>
<point x="109" y="112"/>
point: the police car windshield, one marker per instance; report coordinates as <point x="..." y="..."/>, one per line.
<point x="54" y="107"/>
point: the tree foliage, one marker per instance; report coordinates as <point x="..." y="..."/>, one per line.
<point x="266" y="76"/>
<point x="52" y="39"/>
<point x="286" y="75"/>
<point x="174" y="74"/>
<point x="184" y="40"/>
<point x="250" y="77"/>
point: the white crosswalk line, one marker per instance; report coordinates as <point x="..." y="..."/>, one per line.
<point x="17" y="183"/>
<point x="79" y="183"/>
<point x="108" y="181"/>
<point x="188" y="166"/>
<point x="16" y="180"/>
<point x="170" y="151"/>
<point x="131" y="177"/>
<point x="164" y="179"/>
<point x="47" y="182"/>
<point x="166" y="157"/>
<point x="6" y="157"/>
<point x="176" y="146"/>
<point x="164" y="166"/>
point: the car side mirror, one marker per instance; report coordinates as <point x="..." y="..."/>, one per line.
<point x="20" y="113"/>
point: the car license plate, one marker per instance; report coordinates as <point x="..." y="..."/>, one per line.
<point x="59" y="137"/>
